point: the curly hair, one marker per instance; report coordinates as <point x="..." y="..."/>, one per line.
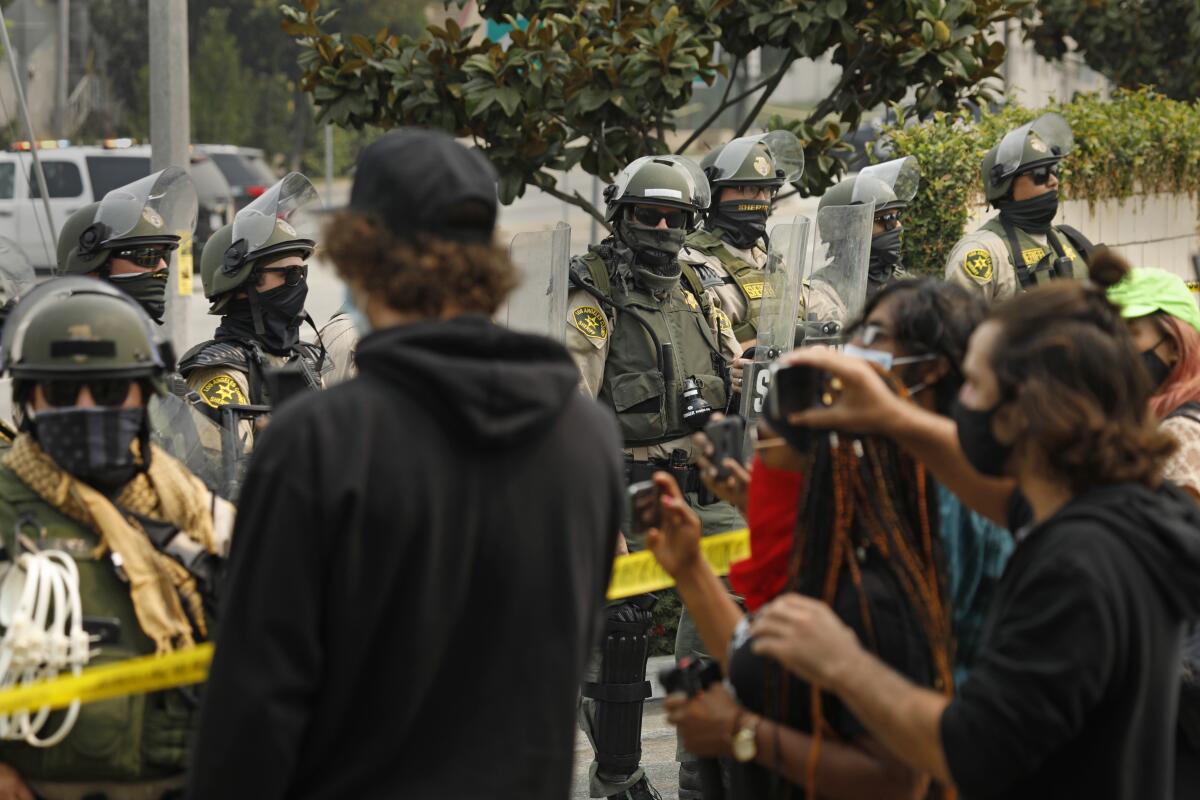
<point x="422" y="276"/>
<point x="1066" y="358"/>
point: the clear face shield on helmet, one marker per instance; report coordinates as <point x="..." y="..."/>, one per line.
<point x="686" y="169"/>
<point x="901" y="176"/>
<point x="292" y="201"/>
<point x="1049" y="133"/>
<point x="785" y="151"/>
<point x="160" y="208"/>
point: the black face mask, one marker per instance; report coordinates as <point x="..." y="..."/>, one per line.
<point x="655" y="251"/>
<point x="979" y="445"/>
<point x="744" y="222"/>
<point x="1033" y="215"/>
<point x="149" y="289"/>
<point x="93" y="444"/>
<point x="282" y="310"/>
<point x="885" y="256"/>
<point x="1158" y="369"/>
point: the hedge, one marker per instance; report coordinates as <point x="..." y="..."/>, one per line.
<point x="1139" y="142"/>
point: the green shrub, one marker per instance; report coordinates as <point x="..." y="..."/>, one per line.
<point x="1138" y="141"/>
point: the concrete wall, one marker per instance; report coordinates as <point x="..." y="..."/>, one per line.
<point x="1155" y="230"/>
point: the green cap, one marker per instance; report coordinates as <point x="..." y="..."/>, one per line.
<point x="1146" y="291"/>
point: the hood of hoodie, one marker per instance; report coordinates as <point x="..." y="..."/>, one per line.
<point x="493" y="385"/>
<point x="1162" y="529"/>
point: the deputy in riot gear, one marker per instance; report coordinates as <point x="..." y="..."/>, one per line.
<point x="650" y="345"/>
<point x="256" y="277"/>
<point x="890" y="186"/>
<point x="124" y="529"/>
<point x="128" y="236"/>
<point x="1021" y="246"/>
<point x="729" y="249"/>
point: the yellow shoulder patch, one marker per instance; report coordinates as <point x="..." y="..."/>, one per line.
<point x="977" y="263"/>
<point x="590" y="322"/>
<point x="723" y="323"/>
<point x="221" y="391"/>
<point x="691" y="300"/>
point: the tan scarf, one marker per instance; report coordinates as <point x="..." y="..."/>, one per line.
<point x="166" y="492"/>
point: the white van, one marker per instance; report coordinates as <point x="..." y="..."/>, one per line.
<point x="78" y="175"/>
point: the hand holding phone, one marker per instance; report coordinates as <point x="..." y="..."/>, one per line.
<point x="645" y="507"/>
<point x="727" y="436"/>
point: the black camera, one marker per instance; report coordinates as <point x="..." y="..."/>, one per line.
<point x="696" y="410"/>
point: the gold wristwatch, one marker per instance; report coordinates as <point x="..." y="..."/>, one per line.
<point x="745" y="745"/>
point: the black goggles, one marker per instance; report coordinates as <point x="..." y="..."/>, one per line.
<point x="1041" y="175"/>
<point x="146" y="256"/>
<point x="105" y="391"/>
<point x="292" y="276"/>
<point x="890" y="220"/>
<point x="650" y="217"/>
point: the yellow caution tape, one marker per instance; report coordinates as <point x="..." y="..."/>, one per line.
<point x="132" y="676"/>
<point x="632" y="574"/>
<point x="638" y="573"/>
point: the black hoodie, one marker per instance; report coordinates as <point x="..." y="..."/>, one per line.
<point x="420" y="561"/>
<point x="1075" y="691"/>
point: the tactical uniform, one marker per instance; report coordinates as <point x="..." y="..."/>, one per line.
<point x="340" y="337"/>
<point x="148" y="522"/>
<point x="728" y="253"/>
<point x="1020" y="247"/>
<point x="650" y="346"/>
<point x="259" y="330"/>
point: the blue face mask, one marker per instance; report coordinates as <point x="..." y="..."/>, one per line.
<point x="356" y="315"/>
<point x="887" y="361"/>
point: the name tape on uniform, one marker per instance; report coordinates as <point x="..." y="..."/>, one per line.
<point x="133" y="676"/>
<point x="638" y="573"/>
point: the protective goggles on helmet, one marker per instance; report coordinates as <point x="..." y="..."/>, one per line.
<point x="292" y="276"/>
<point x="1041" y="175"/>
<point x="105" y="391"/>
<point x="649" y="216"/>
<point x="146" y="256"/>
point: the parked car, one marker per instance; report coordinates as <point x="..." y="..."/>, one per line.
<point x="78" y="175"/>
<point x="245" y="168"/>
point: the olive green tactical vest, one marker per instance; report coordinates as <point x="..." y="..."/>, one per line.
<point x="749" y="278"/>
<point x="1033" y="251"/>
<point x="135" y="738"/>
<point x="648" y="411"/>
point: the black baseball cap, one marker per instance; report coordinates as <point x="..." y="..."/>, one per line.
<point x="418" y="181"/>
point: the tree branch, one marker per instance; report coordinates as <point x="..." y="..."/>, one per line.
<point x="732" y="101"/>
<point x="771" y="85"/>
<point x="721" y="106"/>
<point x="578" y="201"/>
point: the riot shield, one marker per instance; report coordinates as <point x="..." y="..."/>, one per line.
<point x="538" y="304"/>
<point x="783" y="282"/>
<point x="836" y="291"/>
<point x="184" y="431"/>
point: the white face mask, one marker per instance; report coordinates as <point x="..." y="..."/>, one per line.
<point x="888" y="361"/>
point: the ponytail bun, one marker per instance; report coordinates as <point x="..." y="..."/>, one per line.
<point x="1107" y="268"/>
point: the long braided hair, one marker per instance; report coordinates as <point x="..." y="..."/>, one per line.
<point x="866" y="496"/>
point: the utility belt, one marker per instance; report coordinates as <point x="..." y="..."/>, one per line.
<point x="685" y="474"/>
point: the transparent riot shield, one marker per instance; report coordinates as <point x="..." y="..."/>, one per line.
<point x="836" y="290"/>
<point x="783" y="282"/>
<point x="538" y="304"/>
<point x="184" y="431"/>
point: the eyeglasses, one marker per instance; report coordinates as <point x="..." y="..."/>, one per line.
<point x="648" y="216"/>
<point x="292" y="276"/>
<point x="147" y="256"/>
<point x="105" y="391"/>
<point x="890" y="221"/>
<point x="1041" y="175"/>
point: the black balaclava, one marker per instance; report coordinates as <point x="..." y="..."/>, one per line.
<point x="655" y="250"/>
<point x="885" y="256"/>
<point x="281" y="310"/>
<point x="1033" y="215"/>
<point x="149" y="289"/>
<point x="94" y="444"/>
<point x="743" y="222"/>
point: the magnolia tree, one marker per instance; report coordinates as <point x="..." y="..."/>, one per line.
<point x="597" y="83"/>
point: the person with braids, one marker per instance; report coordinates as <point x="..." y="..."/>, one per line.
<point x="1074" y="691"/>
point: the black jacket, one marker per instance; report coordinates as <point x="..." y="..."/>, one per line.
<point x="418" y="569"/>
<point x="1075" y="690"/>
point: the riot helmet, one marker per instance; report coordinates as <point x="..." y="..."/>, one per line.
<point x="765" y="161"/>
<point x="1043" y="142"/>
